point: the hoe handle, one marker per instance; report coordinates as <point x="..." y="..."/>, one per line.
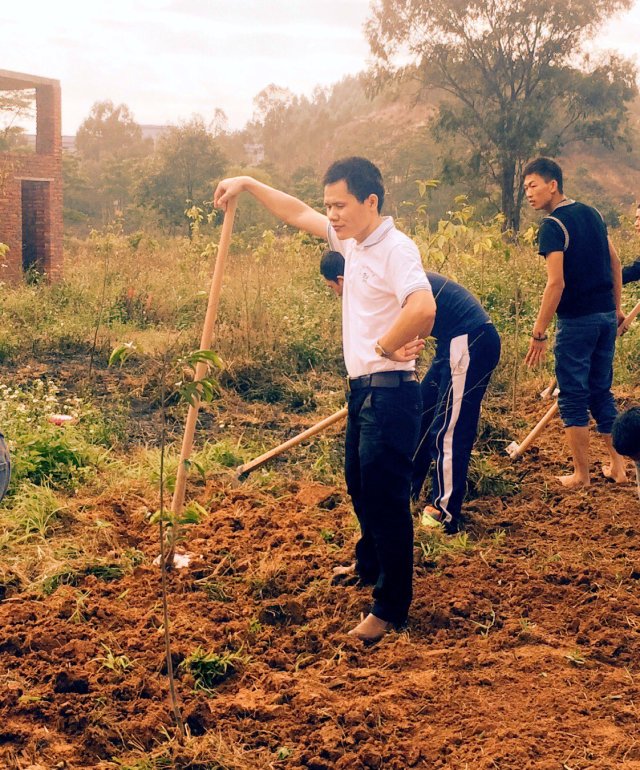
<point x="537" y="430"/>
<point x="624" y="326"/>
<point x="244" y="470"/>
<point x="205" y="344"/>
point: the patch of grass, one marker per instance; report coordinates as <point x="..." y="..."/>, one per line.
<point x="117" y="663"/>
<point x="33" y="512"/>
<point x="210" y="668"/>
<point x="65" y="576"/>
<point x="486" y="480"/>
<point x="434" y="544"/>
<point x="214" y="590"/>
<point x="576" y="657"/>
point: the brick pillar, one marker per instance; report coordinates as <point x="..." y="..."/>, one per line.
<point x="49" y="142"/>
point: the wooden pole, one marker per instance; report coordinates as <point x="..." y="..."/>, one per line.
<point x="624" y="326"/>
<point x="201" y="369"/>
<point x="517" y="450"/>
<point x="244" y="470"/>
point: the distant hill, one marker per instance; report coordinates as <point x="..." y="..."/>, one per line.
<point x="300" y="138"/>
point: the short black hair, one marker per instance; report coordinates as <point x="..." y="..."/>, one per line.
<point x="625" y="433"/>
<point x="332" y="265"/>
<point x="546" y="168"/>
<point x="363" y="178"/>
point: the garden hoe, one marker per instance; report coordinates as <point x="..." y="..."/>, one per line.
<point x="242" y="471"/>
<point x="515" y="450"/>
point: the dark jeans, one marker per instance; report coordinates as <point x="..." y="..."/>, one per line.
<point x="584" y="368"/>
<point x="5" y="467"/>
<point x="382" y="434"/>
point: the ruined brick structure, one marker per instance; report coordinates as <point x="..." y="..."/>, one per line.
<point x="31" y="187"/>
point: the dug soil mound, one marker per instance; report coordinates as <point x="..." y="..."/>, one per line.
<point x="522" y="649"/>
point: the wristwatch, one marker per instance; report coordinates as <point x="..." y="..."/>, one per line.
<point x="381" y="351"/>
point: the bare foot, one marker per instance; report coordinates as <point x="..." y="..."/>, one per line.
<point x="615" y="472"/>
<point x="371" y="629"/>
<point x="573" y="481"/>
<point x="343" y="571"/>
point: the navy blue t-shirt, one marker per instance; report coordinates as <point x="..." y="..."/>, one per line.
<point x="580" y="232"/>
<point x="631" y="272"/>
<point x="457" y="310"/>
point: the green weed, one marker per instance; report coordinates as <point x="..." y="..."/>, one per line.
<point x="117" y="663"/>
<point x="210" y="669"/>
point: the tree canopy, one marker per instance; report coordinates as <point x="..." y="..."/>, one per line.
<point x="514" y="78"/>
<point x="14" y="106"/>
<point x="182" y="171"/>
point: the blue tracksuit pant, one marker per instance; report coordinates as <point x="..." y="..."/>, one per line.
<point x="452" y="392"/>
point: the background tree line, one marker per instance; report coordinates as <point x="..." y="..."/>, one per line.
<point x="462" y="91"/>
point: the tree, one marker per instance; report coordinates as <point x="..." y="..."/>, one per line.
<point x="514" y="78"/>
<point x="181" y="173"/>
<point x="14" y="106"/>
<point x="110" y="131"/>
<point x="110" y="145"/>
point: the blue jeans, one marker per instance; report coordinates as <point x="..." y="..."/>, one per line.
<point x="584" y="368"/>
<point x="5" y="467"/>
<point x="382" y="435"/>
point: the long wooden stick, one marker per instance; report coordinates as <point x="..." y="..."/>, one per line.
<point x="624" y="326"/>
<point x="244" y="470"/>
<point x="201" y="369"/>
<point x="517" y="450"/>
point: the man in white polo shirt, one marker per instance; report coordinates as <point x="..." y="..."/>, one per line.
<point x="388" y="306"/>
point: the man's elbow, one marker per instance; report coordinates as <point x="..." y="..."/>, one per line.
<point x="427" y="315"/>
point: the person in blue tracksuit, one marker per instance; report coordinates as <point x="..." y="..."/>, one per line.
<point x="467" y="352"/>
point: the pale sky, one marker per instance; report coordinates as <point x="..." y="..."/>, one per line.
<point x="169" y="59"/>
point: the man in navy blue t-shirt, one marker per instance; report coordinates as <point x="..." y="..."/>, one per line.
<point x="584" y="283"/>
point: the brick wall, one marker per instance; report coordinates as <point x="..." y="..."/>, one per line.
<point x="39" y="175"/>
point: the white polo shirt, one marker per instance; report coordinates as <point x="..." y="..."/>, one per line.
<point x="379" y="274"/>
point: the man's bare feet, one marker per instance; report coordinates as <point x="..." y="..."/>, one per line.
<point x="615" y="472"/>
<point x="349" y="569"/>
<point x="371" y="629"/>
<point x="573" y="481"/>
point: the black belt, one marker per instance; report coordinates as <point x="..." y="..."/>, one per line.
<point x="381" y="380"/>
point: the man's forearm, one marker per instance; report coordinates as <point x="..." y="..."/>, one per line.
<point x="414" y="320"/>
<point x="284" y="206"/>
<point x="616" y="272"/>
<point x="548" y="306"/>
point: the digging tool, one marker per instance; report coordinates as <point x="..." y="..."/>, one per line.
<point x="201" y="369"/>
<point x="515" y="450"/>
<point x="242" y="471"/>
<point x="624" y="326"/>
